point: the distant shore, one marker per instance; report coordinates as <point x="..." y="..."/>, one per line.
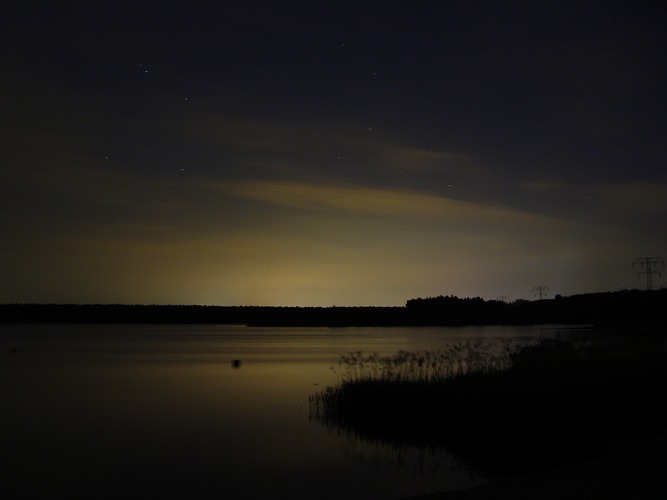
<point x="635" y="308"/>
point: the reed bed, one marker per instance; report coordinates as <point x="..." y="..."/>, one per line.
<point x="500" y="408"/>
<point x="377" y="394"/>
<point x="424" y="366"/>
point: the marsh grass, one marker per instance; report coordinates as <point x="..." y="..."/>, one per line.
<point x="501" y="409"/>
<point x="424" y="366"/>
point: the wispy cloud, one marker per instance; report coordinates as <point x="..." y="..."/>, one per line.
<point x="545" y="185"/>
<point x="375" y="201"/>
<point x="421" y="159"/>
<point x="346" y="149"/>
<point x="636" y="198"/>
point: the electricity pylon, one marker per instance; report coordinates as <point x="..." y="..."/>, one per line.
<point x="647" y="264"/>
<point x="540" y="291"/>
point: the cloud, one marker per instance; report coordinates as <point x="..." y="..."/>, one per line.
<point x="314" y="149"/>
<point x="545" y="185"/>
<point x="374" y="201"/>
<point x="422" y="159"/>
<point x="633" y="199"/>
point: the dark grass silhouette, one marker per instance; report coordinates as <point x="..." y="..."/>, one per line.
<point x="502" y="412"/>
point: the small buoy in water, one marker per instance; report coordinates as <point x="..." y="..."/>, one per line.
<point x="236" y="363"/>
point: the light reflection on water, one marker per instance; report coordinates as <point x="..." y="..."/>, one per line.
<point x="147" y="410"/>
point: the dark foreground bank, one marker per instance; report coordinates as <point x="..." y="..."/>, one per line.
<point x="634" y="469"/>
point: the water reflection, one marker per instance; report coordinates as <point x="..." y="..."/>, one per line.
<point x="419" y="460"/>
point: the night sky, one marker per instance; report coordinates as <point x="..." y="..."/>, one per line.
<point x="329" y="153"/>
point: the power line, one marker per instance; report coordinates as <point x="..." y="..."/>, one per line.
<point x="647" y="265"/>
<point x="540" y="291"/>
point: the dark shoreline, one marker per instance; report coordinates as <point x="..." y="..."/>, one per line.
<point x="626" y="308"/>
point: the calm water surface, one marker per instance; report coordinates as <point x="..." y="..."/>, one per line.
<point x="159" y="411"/>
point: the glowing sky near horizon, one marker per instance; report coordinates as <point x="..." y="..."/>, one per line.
<point x="347" y="153"/>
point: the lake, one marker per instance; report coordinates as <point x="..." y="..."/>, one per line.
<point x="122" y="411"/>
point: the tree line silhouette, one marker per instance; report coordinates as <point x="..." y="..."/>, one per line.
<point x="621" y="308"/>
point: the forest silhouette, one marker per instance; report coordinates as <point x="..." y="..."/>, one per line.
<point x="632" y="308"/>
